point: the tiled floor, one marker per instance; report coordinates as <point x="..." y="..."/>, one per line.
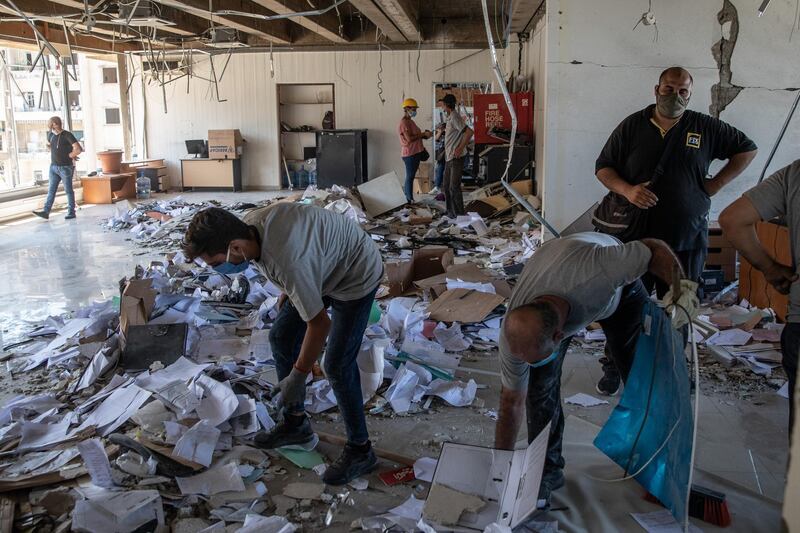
<point x="54" y="266"/>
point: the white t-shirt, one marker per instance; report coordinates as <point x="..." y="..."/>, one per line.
<point x="588" y="270"/>
<point x="310" y="252"/>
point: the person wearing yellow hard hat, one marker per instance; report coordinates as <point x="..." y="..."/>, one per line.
<point x="413" y="151"/>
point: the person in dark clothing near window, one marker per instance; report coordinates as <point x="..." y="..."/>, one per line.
<point x="678" y="203"/>
<point x="64" y="151"/>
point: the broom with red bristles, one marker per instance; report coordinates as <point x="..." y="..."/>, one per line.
<point x="704" y="504"/>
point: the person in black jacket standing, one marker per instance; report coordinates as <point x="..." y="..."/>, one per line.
<point x="679" y="202"/>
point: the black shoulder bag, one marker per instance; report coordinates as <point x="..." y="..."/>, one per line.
<point x="617" y="216"/>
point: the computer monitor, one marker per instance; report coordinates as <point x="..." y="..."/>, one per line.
<point x="198" y="147"/>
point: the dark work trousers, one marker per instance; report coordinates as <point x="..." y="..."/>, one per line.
<point x="454" y="199"/>
<point x="692" y="262"/>
<point x="790" y="346"/>
<point x="543" y="402"/>
<point x="348" y="322"/>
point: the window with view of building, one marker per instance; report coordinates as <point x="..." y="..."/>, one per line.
<point x="30" y="99"/>
<point x="109" y="75"/>
<point x="112" y="115"/>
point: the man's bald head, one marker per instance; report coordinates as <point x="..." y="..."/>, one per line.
<point x="532" y="331"/>
<point x="676" y="72"/>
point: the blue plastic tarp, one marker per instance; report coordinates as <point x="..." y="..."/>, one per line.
<point x="653" y="421"/>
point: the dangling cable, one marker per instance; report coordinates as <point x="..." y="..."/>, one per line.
<point x="380" y="71"/>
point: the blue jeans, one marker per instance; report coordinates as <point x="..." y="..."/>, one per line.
<point x="57" y="174"/>
<point x="439" y="176"/>
<point x="543" y="400"/>
<point x="412" y="165"/>
<point x="348" y="322"/>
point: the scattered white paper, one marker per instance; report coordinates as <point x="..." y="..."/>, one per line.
<point x="219" y="401"/>
<point x="116" y="409"/>
<point x="456" y="393"/>
<point x="401" y="391"/>
<point x="661" y="522"/>
<point x="260" y="347"/>
<point x="42" y="435"/>
<point x="244" y="420"/>
<point x="451" y="339"/>
<point x="424" y="467"/>
<point x="198" y="443"/>
<point x="730" y="337"/>
<point x="471" y="285"/>
<point x="411" y="509"/>
<point x="254" y="523"/>
<point x="118" y="512"/>
<point x="595" y="335"/>
<point x="319" y="397"/>
<point x="220" y="478"/>
<point x="263" y="416"/>
<point x="94" y="457"/>
<point x="99" y="364"/>
<point x="585" y="400"/>
<point x="181" y="370"/>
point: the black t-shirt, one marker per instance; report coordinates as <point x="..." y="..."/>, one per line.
<point x="634" y="150"/>
<point x="61" y="147"/>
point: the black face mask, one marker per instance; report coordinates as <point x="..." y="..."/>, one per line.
<point x="671" y="105"/>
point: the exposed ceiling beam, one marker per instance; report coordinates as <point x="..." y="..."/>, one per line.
<point x="380" y="19"/>
<point x="21" y="32"/>
<point x="325" y="25"/>
<point x="274" y="31"/>
<point x="523" y="13"/>
<point x="405" y="16"/>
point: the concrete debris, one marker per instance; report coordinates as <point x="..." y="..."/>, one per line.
<point x="304" y="491"/>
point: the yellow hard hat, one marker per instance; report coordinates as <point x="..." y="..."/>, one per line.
<point x="409" y="102"/>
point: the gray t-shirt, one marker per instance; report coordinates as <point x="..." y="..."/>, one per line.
<point x="589" y="270"/>
<point x="310" y="252"/>
<point x="453" y="134"/>
<point x="779" y="196"/>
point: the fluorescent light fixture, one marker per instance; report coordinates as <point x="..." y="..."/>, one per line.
<point x="140" y="22"/>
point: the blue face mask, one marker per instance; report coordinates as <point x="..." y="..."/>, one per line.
<point x="229" y="268"/>
<point x="412" y="113"/>
<point x="549" y="359"/>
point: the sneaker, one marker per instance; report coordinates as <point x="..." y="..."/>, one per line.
<point x="42" y="214"/>
<point x="350" y="465"/>
<point x="609" y="383"/>
<point x="434" y="191"/>
<point x="69" y="216"/>
<point x="285" y="434"/>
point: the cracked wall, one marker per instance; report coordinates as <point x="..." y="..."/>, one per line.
<point x="724" y="92"/>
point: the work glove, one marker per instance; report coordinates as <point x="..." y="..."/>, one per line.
<point x="684" y="305"/>
<point x="293" y="388"/>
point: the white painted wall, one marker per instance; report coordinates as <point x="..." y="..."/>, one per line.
<point x="252" y="107"/>
<point x="618" y="69"/>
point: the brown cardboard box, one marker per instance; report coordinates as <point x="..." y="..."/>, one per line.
<point x="464" y="306"/>
<point x="138" y="299"/>
<point x="422" y="185"/>
<point x="425" y="262"/>
<point x="488" y="206"/>
<point x="425" y="170"/>
<point x="224" y="144"/>
<point x="524" y="187"/>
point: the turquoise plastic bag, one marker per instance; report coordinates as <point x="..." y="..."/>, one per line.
<point x="653" y="421"/>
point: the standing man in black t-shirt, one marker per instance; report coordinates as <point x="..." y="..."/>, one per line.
<point x="678" y="203"/>
<point x="64" y="151"/>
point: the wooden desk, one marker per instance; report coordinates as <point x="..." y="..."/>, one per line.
<point x="132" y="166"/>
<point x="218" y="174"/>
<point x="108" y="188"/>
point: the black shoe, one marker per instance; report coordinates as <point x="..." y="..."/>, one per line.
<point x="42" y="214"/>
<point x="609" y="383"/>
<point x="350" y="465"/>
<point x="69" y="216"/>
<point x="285" y="434"/>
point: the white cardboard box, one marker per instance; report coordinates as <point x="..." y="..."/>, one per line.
<point x="508" y="481"/>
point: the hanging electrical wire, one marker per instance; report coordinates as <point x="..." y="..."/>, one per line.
<point x="271" y="62"/>
<point x="380" y="71"/>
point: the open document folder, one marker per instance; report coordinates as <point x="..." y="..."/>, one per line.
<point x="507" y="481"/>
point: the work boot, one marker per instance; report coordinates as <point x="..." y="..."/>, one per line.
<point x="69" y="216"/>
<point x="292" y="429"/>
<point x="42" y="214"/>
<point x="609" y="383"/>
<point x="355" y="461"/>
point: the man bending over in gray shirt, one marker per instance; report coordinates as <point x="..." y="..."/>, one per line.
<point x="320" y="260"/>
<point x="568" y="284"/>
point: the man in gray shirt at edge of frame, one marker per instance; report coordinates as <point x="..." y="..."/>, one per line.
<point x="320" y="260"/>
<point x="568" y="284"/>
<point x="776" y="197"/>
